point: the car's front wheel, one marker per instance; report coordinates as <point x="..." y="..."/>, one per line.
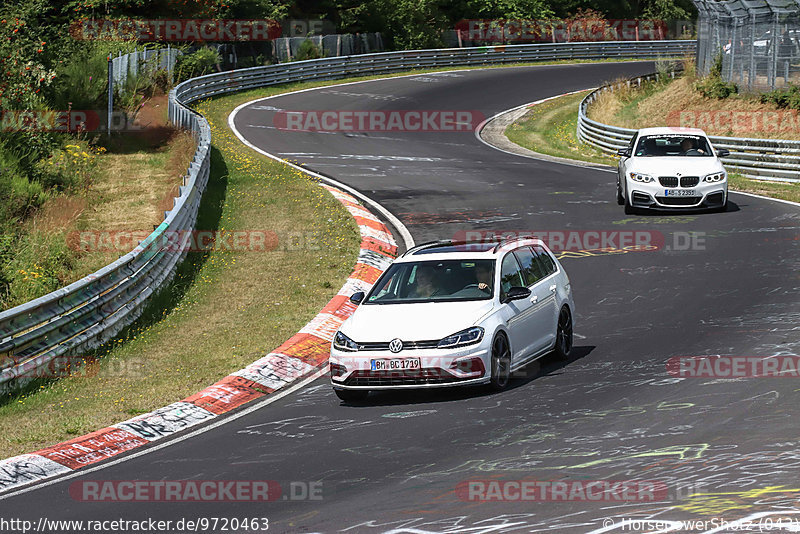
<point x="501" y="363"/>
<point x="629" y="210"/>
<point x="564" y="334"/>
<point x="348" y="395"/>
<point x="620" y="196"/>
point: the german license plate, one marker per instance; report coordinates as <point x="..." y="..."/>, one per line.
<point x="394" y="364"/>
<point x="680" y="193"/>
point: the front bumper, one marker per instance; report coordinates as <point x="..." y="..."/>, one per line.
<point x="469" y="365"/>
<point x="653" y="196"/>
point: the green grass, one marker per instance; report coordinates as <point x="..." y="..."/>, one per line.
<point x="550" y="128"/>
<point x="224" y="309"/>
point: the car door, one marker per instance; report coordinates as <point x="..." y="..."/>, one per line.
<point x="517" y="313"/>
<point x="541" y="299"/>
<point x="548" y="287"/>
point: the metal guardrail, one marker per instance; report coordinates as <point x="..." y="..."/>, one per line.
<point x="46" y="332"/>
<point x="760" y="159"/>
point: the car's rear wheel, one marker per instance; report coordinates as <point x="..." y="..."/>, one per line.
<point x="501" y="363"/>
<point x="351" y="394"/>
<point x="564" y="334"/>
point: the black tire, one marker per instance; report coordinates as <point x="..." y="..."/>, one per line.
<point x="629" y="210"/>
<point x="501" y="363"/>
<point x="564" y="334"/>
<point x="620" y="196"/>
<point x="723" y="208"/>
<point x="349" y="395"/>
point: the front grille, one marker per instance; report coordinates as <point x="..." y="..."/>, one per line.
<point x="668" y="181"/>
<point x="678" y="201"/>
<point x="689" y="181"/>
<point x="407" y="345"/>
<point x="408" y="377"/>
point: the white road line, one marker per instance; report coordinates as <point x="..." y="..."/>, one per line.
<point x="272" y="397"/>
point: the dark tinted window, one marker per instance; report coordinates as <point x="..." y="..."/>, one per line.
<point x="509" y="275"/>
<point x="545" y="261"/>
<point x="531" y="270"/>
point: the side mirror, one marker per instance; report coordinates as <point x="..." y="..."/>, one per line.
<point x="517" y="293"/>
<point x="357" y="297"/>
<point x="723" y="153"/>
<point x="624" y="152"/>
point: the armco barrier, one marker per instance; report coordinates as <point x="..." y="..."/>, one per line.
<point x="90" y="311"/>
<point x="760" y="159"/>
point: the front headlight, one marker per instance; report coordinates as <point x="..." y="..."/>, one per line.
<point x="716" y="177"/>
<point x="469" y="336"/>
<point x="342" y="342"/>
<point x="644" y="178"/>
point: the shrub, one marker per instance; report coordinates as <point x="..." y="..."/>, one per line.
<point x="308" y="50"/>
<point x="713" y="86"/>
<point x="787" y="97"/>
<point x="199" y="62"/>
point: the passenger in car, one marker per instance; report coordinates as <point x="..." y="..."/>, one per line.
<point x="424" y="285"/>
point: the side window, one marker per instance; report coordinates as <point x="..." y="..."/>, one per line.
<point x="531" y="271"/>
<point x="630" y="145"/>
<point x="545" y="261"/>
<point x="509" y="274"/>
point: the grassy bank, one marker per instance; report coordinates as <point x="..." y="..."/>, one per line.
<point x="550" y="128"/>
<point x="224" y="309"/>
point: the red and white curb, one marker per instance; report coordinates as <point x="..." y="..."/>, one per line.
<point x="299" y="357"/>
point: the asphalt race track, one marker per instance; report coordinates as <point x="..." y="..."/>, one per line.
<point x="722" y="448"/>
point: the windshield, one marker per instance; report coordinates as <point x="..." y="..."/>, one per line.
<point x="434" y="281"/>
<point x="672" y="145"/>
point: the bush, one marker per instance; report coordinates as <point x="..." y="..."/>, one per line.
<point x="787" y="97"/>
<point x="308" y="50"/>
<point x="199" y="62"/>
<point x="713" y="86"/>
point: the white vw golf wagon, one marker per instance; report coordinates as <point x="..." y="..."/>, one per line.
<point x="453" y="313"/>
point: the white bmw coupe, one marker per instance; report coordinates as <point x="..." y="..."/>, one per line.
<point x="671" y="168"/>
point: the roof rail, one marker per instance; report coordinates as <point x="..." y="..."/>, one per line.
<point x="425" y="245"/>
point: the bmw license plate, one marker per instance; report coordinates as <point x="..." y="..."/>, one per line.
<point x="394" y="364"/>
<point x="680" y="193"/>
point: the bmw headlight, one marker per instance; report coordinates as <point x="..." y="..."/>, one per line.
<point x="469" y="336"/>
<point x="716" y="177"/>
<point x="342" y="342"/>
<point x="644" y="178"/>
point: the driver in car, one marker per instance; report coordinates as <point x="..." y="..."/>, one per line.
<point x="687" y="147"/>
<point x="484" y="275"/>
